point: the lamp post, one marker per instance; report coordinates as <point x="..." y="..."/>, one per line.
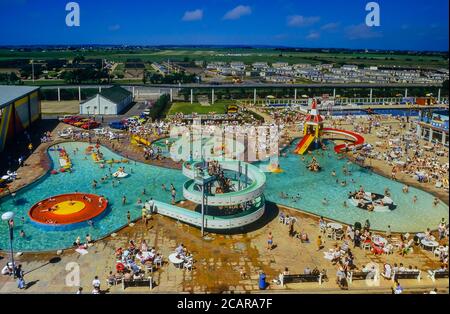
<point x="8" y="217"/>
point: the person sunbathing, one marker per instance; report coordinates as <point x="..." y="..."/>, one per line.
<point x="359" y="195"/>
<point x="53" y="208"/>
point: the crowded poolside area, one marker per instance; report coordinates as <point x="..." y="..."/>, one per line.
<point x="299" y="242"/>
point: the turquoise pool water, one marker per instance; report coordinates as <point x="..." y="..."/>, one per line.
<point x="314" y="187"/>
<point x="144" y="176"/>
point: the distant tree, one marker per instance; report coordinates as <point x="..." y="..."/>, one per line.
<point x="13" y="77"/>
<point x="78" y="59"/>
<point x="144" y="77"/>
<point x="68" y="76"/>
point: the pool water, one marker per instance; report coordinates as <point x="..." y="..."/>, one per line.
<point x="314" y="187"/>
<point x="206" y="142"/>
<point x="295" y="179"/>
<point x="143" y="176"/>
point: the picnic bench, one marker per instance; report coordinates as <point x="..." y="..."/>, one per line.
<point x="285" y="279"/>
<point x="407" y="275"/>
<point x="437" y="274"/>
<point x="144" y="282"/>
<point x="359" y="275"/>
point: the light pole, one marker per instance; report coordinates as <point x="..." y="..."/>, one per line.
<point x="32" y="69"/>
<point x="8" y="217"/>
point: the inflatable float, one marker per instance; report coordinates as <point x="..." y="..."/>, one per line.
<point x="378" y="202"/>
<point x="120" y="174"/>
<point x="139" y="140"/>
<point x="96" y="158"/>
<point x="274" y="168"/>
<point x="64" y="160"/>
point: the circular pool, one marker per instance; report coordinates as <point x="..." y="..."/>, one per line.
<point x="67" y="211"/>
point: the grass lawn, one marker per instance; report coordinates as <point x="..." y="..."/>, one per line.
<point x="219" y="107"/>
<point x="247" y="55"/>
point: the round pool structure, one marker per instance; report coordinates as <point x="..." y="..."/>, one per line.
<point x="67" y="211"/>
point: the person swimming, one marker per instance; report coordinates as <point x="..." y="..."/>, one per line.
<point x="436" y="201"/>
<point x="284" y="195"/>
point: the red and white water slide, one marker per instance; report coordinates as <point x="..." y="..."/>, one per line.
<point x="354" y="137"/>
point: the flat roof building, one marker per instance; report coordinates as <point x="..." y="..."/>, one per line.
<point x="20" y="107"/>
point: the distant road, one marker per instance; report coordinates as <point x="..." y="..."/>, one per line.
<point x="252" y="85"/>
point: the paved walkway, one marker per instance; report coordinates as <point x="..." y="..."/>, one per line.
<point x="218" y="260"/>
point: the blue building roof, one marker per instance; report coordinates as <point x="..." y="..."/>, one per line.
<point x="10" y="93"/>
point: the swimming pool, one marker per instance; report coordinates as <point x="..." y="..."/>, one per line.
<point x="313" y="187"/>
<point x="85" y="170"/>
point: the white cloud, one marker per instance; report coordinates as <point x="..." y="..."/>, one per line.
<point x="195" y="15"/>
<point x="238" y="12"/>
<point x="361" y="31"/>
<point x="330" y="26"/>
<point x="114" y="27"/>
<point x="313" y="35"/>
<point x="301" y="21"/>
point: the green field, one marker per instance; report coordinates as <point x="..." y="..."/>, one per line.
<point x="219" y="107"/>
<point x="246" y="55"/>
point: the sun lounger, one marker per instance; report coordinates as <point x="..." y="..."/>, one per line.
<point x="82" y="251"/>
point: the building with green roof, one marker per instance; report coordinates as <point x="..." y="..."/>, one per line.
<point x="109" y="101"/>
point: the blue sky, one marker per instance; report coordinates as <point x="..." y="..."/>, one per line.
<point x="405" y="24"/>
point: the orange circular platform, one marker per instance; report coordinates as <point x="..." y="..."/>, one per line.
<point x="67" y="209"/>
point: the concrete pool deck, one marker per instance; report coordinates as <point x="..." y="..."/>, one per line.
<point x="218" y="261"/>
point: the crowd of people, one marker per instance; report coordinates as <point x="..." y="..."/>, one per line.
<point x="402" y="149"/>
<point x="133" y="262"/>
<point x="362" y="237"/>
